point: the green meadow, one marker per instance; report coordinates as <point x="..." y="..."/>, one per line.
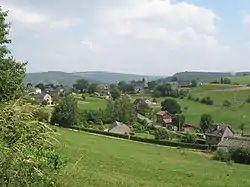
<point x="99" y="161"/>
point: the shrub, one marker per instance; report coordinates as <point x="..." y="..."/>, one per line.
<point x="221" y="155"/>
<point x="161" y="134"/>
<point x="28" y="156"/>
<point x="240" y="155"/>
<point x="41" y="115"/>
<point x="189" y="138"/>
<point x="227" y="103"/>
<point x="207" y="100"/>
<point x="83" y="97"/>
<point x="154" y="100"/>
<point x="248" y="99"/>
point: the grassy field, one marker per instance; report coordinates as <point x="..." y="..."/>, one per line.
<point x="96" y="161"/>
<point x="92" y="103"/>
<point x="234" y="115"/>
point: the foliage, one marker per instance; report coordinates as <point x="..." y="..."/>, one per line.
<point x="144" y="109"/>
<point x="221" y="155"/>
<point x="115" y="93"/>
<point x="125" y="88"/>
<point x="40" y="86"/>
<point x="174" y="93"/>
<point x="227" y="81"/>
<point x="194" y="83"/>
<point x="41" y="115"/>
<point x="205" y="122"/>
<point x="154" y="100"/>
<point x="248" y="99"/>
<point x="227" y="103"/>
<point x="242" y="128"/>
<point x="121" y="110"/>
<point x="27" y="151"/>
<point x="81" y="85"/>
<point x="152" y="85"/>
<point x="179" y="121"/>
<point x="207" y="100"/>
<point x="83" y="97"/>
<point x="65" y="113"/>
<point x="11" y="71"/>
<point x="189" y="138"/>
<point x="93" y="88"/>
<point x="171" y="105"/>
<point x="162" y="90"/>
<point x="161" y="134"/>
<point x="240" y="155"/>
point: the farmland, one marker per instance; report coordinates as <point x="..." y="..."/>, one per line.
<point x="101" y="161"/>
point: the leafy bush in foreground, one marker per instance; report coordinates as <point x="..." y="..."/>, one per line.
<point x="27" y="151"/>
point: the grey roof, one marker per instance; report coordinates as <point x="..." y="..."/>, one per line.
<point x="140" y="101"/>
<point x="235" y="142"/>
<point x="40" y="96"/>
<point x="119" y="128"/>
<point x="217" y="130"/>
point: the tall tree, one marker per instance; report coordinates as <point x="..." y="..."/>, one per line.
<point x="11" y="71"/>
<point x="65" y="113"/>
<point x="205" y="122"/>
<point x="40" y="86"/>
<point x="81" y="85"/>
<point x="171" y="106"/>
<point x="115" y="93"/>
<point x="93" y="88"/>
<point x="179" y="120"/>
<point x="242" y="128"/>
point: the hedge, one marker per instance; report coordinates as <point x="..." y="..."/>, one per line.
<point x="146" y="140"/>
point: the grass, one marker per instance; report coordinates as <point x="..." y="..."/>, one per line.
<point x="91" y="103"/>
<point x="234" y="115"/>
<point x="96" y="161"/>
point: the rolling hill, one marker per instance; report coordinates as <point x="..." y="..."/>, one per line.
<point x="68" y="79"/>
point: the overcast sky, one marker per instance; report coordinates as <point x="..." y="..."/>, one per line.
<point x="158" y="37"/>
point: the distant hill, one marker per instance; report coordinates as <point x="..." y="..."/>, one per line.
<point x="68" y="79"/>
<point x="189" y="75"/>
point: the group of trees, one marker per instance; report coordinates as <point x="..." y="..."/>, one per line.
<point x="66" y="113"/>
<point x="225" y="80"/>
<point x="84" y="86"/>
<point x="166" y="90"/>
<point x="27" y="148"/>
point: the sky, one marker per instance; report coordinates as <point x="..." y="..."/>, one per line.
<point x="154" y="37"/>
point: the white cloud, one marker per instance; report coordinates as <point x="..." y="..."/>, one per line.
<point x="88" y="44"/>
<point x="246" y="18"/>
<point x="28" y="17"/>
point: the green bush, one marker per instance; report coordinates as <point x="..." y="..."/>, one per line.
<point x="221" y="155"/>
<point x="83" y="97"/>
<point x="227" y="103"/>
<point x="28" y="156"/>
<point x="41" y="115"/>
<point x="161" y="134"/>
<point x="207" y="101"/>
<point x="189" y="138"/>
<point x="240" y="155"/>
<point x="248" y="100"/>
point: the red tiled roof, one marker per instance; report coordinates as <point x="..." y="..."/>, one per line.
<point x="169" y="120"/>
<point x="162" y="113"/>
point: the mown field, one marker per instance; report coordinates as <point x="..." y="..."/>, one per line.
<point x="97" y="161"/>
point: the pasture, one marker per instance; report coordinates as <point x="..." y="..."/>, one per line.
<point x="99" y="161"/>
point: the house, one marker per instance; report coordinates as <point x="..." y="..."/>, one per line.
<point x="188" y="128"/>
<point x="138" y="102"/>
<point x="119" y="128"/>
<point x="232" y="142"/>
<point x="140" y="86"/>
<point x="218" y="133"/>
<point x="44" y="97"/>
<point x="164" y="118"/>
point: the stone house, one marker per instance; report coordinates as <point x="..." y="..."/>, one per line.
<point x="44" y="97"/>
<point x="232" y="142"/>
<point x="119" y="128"/>
<point x="164" y="118"/>
<point x="218" y="133"/>
<point x="140" y="86"/>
